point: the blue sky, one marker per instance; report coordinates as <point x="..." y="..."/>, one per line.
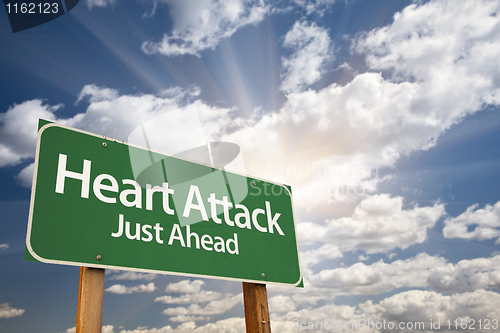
<point x="389" y="108"/>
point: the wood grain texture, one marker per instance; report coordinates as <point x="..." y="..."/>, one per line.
<point x="90" y="296"/>
<point x="256" y="308"/>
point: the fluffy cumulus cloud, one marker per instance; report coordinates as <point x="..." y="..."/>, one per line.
<point x="121" y="289"/>
<point x="216" y="307"/>
<point x="281" y="303"/>
<point x="404" y="310"/>
<point x="105" y="329"/>
<point x="449" y="51"/>
<point x="378" y="224"/>
<point x="441" y="42"/>
<point x="185" y="286"/>
<point x="376" y="278"/>
<point x="485" y="222"/>
<point x="407" y="311"/>
<point x="6" y="311"/>
<point x="311" y="49"/>
<point x="25" y="177"/>
<point x="18" y="130"/>
<point x="417" y="306"/>
<point x="192" y="293"/>
<point x="466" y="275"/>
<point x="109" y="114"/>
<point x="200" y="25"/>
<point x="422" y="271"/>
<point x="231" y="325"/>
<point x="309" y="258"/>
<point x="131" y="276"/>
<point x="435" y="64"/>
<point x="199" y="297"/>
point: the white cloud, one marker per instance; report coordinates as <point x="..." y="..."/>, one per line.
<point x="184" y="318"/>
<point x="310" y="258"/>
<point x="414" y="306"/>
<point x="486" y="222"/>
<point x="378" y="224"/>
<point x="105" y="329"/>
<point x="422" y="271"/>
<point x="281" y="303"/>
<point x="25" y="177"/>
<point x="440" y="42"/>
<point x="216" y="307"/>
<point x="97" y="94"/>
<point x="364" y="258"/>
<point x="200" y="25"/>
<point x="230" y="325"/>
<point x="186" y="327"/>
<point x="99" y="3"/>
<point x="132" y="276"/>
<point x="4" y="246"/>
<point x="192" y="295"/>
<point x="311" y="49"/>
<point x="435" y="64"/>
<point x="185" y="287"/>
<point x="108" y="114"/>
<point x="121" y="289"/>
<point x="422" y="306"/>
<point x="466" y="275"/>
<point x="378" y="277"/>
<point x="197" y="297"/>
<point x="6" y="311"/>
<point x="18" y="130"/>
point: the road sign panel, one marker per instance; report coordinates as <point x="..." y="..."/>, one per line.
<point x="177" y="216"/>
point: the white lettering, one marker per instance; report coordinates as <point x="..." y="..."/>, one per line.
<point x="136" y="192"/>
<point x="149" y="237"/>
<point x="227" y="205"/>
<point x="206" y="240"/>
<point x="158" y="229"/>
<point x="137" y="231"/>
<point x="176" y="234"/>
<point x="272" y="222"/>
<point x="120" y="227"/>
<point x="99" y="186"/>
<point x="213" y="207"/>
<point x="219" y="245"/>
<point x="195" y="191"/>
<point x="165" y="192"/>
<point x="189" y="234"/>
<point x="256" y="224"/>
<point x="62" y="173"/>
<point x="245" y="214"/>
<point x="235" y="242"/>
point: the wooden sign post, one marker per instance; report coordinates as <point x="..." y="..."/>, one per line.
<point x="91" y="293"/>
<point x="256" y="308"/>
<point x="90" y="299"/>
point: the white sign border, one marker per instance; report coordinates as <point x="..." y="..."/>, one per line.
<point x="71" y="263"/>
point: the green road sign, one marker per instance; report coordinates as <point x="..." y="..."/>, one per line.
<point x="100" y="202"/>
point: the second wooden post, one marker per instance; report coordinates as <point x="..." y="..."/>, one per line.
<point x="256" y="308"/>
